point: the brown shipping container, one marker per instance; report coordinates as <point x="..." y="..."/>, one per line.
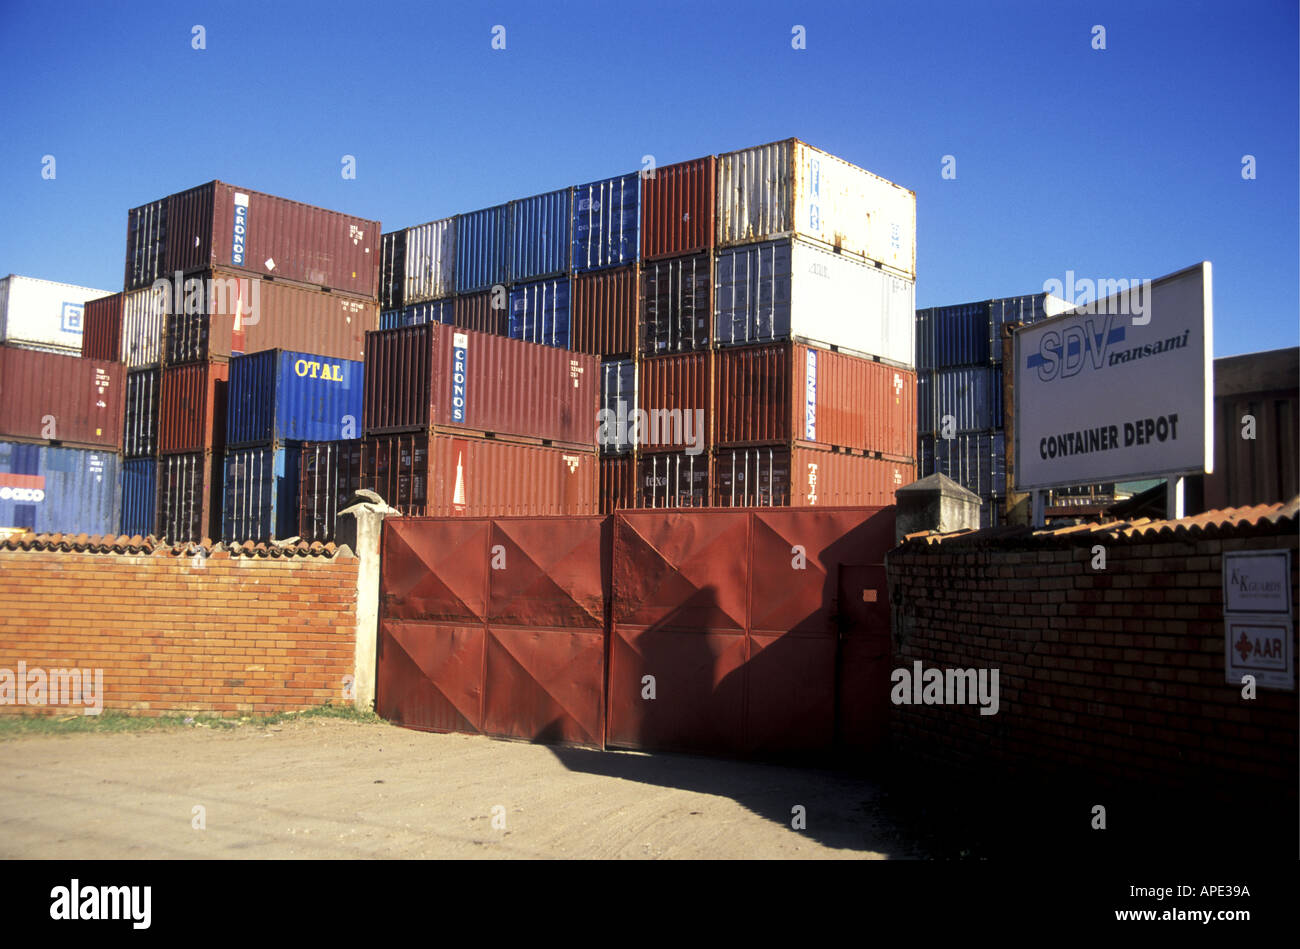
<point x="217" y="225"/>
<point x="189" y="497"/>
<point x="446" y="475"/>
<point x="192" y="408"/>
<point x="673" y="479"/>
<point x="101" y="328"/>
<point x="674" y="392"/>
<point x="67" y="400"/>
<point x="788" y="392"/>
<point x="237" y="313"/>
<point x="677" y="209"/>
<point x="509" y="388"/>
<point x="804" y="475"/>
<point x="617" y="483"/>
<point x="474" y="311"/>
<point x="605" y="308"/>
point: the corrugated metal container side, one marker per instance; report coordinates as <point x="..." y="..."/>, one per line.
<point x="677" y="305"/>
<point x="445" y="475"/>
<point x="146" y="244"/>
<point x="51" y="489"/>
<point x="539" y="235"/>
<point x="392" y="270"/>
<point x="607" y="222"/>
<point x="806" y="476"/>
<point x="1030" y="308"/>
<point x="139" y="496"/>
<point x="617" y="403"/>
<point x="241" y="314"/>
<point x="674" y="479"/>
<point x="678" y="203"/>
<point x="481" y="241"/>
<point x="617" y="483"/>
<point x="539" y="312"/>
<point x="281" y="396"/>
<point x="192" y="408"/>
<point x="793" y="289"/>
<point x="140" y="435"/>
<point x="261" y="493"/>
<point x="430" y="261"/>
<point x="189" y="498"/>
<point x="976" y="461"/>
<point x="330" y="475"/>
<point x="788" y="391"/>
<point x="61" y="398"/>
<point x="1262" y="470"/>
<point x="486" y="312"/>
<point x="101" y="336"/>
<point x="675" y="392"/>
<point x="956" y="335"/>
<point x="972" y="395"/>
<point x="42" y="314"/>
<point x="605" y="305"/>
<point x="431" y="311"/>
<point x="144" y="313"/>
<point x="219" y="226"/>
<point x="413" y="381"/>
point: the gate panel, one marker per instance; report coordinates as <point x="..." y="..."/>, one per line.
<point x="549" y="572"/>
<point x="545" y="685"/>
<point x="435" y="570"/>
<point x="790" y="698"/>
<point x="865" y="657"/>
<point x="428" y="675"/>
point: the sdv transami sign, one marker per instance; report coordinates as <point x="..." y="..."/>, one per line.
<point x="1106" y="394"/>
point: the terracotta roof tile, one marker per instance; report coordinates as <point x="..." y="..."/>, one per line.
<point x="150" y="546"/>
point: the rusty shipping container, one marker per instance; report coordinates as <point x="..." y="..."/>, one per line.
<point x="219" y="226"/>
<point x="804" y="475"/>
<point x="189" y="497"/>
<point x="232" y="313"/>
<point x="192" y="408"/>
<point x="677" y="208"/>
<point x="676" y="305"/>
<point x="673" y="479"/>
<point x="790" y="391"/>
<point x="446" y="475"/>
<point x="604" y="305"/>
<point x="101" y="333"/>
<point x="61" y="399"/>
<point x="617" y="483"/>
<point x="431" y="375"/>
<point x="481" y="313"/>
<point x="329" y="474"/>
<point x="674" y="394"/>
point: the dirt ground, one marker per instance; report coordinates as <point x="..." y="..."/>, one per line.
<point x="329" y="788"/>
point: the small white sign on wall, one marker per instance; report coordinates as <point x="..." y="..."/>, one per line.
<point x="1257" y="581"/>
<point x="1259" y="646"/>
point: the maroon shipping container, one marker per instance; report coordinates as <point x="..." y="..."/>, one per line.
<point x="474" y="311"/>
<point x="217" y="225"/>
<point x="674" y="394"/>
<point x="673" y="480"/>
<point x="447" y="475"/>
<point x="189" y="497"/>
<point x="234" y="313"/>
<point x="788" y="392"/>
<point x="804" y="475"/>
<point x="67" y="400"/>
<point x="192" y="408"/>
<point x="415" y="381"/>
<point x="617" y="483"/>
<point x="605" y="308"/>
<point x="677" y="209"/>
<point x="329" y="474"/>
<point x="101" y="328"/>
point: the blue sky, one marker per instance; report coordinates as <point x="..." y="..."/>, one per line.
<point x="1123" y="162"/>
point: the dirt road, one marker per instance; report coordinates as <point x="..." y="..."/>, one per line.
<point x="332" y="788"/>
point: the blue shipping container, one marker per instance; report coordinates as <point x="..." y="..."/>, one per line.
<point x="539" y="312"/>
<point x="278" y="396"/>
<point x="431" y="311"/>
<point x="60" y="490"/>
<point x="971" y="395"/>
<point x="481" y="242"/>
<point x="950" y="336"/>
<point x="1025" y="309"/>
<point x="607" y="223"/>
<point x="139" y="494"/>
<point x="261" y="493"/>
<point x="539" y="235"/>
<point x="976" y="461"/>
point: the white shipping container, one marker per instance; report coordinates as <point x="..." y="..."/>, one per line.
<point x="143" y="315"/>
<point x="42" y="314"/>
<point x="431" y="260"/>
<point x="790" y="188"/>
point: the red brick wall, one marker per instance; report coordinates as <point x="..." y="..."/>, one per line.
<point x="234" y="636"/>
<point x="1116" y="674"/>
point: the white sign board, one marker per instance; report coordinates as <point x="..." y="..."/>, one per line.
<point x="1118" y="390"/>
<point x="1257" y="581"/>
<point x="1259" y="646"/>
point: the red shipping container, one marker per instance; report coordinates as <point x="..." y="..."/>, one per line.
<point x="101" y="328"/>
<point x="617" y="483"/>
<point x="804" y="475"/>
<point x="674" y="393"/>
<point x="673" y="479"/>
<point x="474" y="311"/>
<point x="677" y="209"/>
<point x="66" y="400"/>
<point x="416" y="381"/>
<point x="192" y="408"/>
<point x="605" y="308"/>
<point x="788" y="392"/>
<point x="219" y="225"/>
<point x="446" y="475"/>
<point x="189" y="497"/>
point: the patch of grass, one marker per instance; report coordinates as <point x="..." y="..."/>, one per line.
<point x="108" y="721"/>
